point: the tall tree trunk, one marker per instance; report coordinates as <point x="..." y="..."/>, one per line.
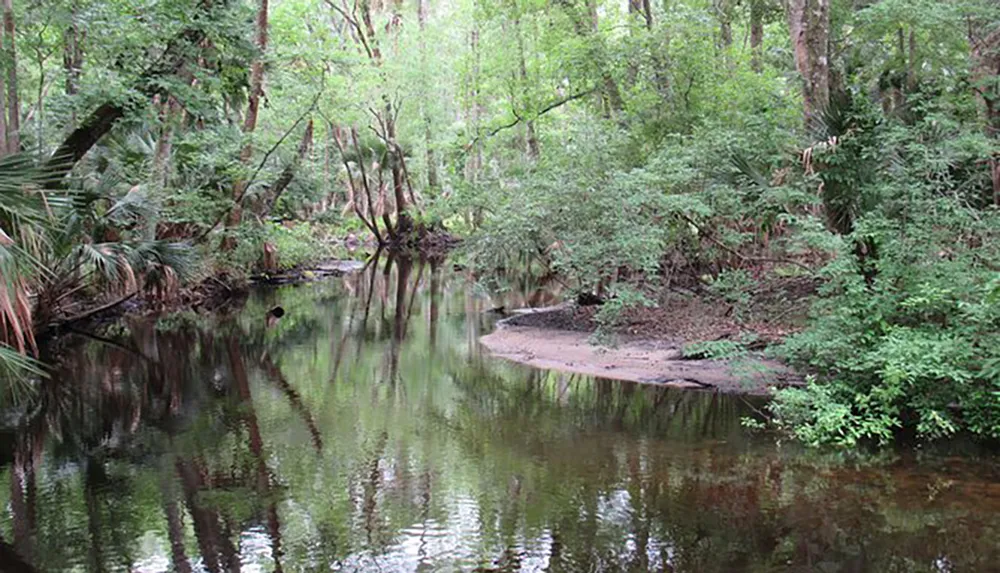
<point x="13" y="101"/>
<point x="476" y="157"/>
<point x="723" y="13"/>
<point x="432" y="177"/>
<point x="641" y="8"/>
<point x="756" y="34"/>
<point x="984" y="45"/>
<point x="73" y="59"/>
<point x="249" y="121"/>
<point x="612" y="96"/>
<point x="809" y="25"/>
<point x="3" y="115"/>
<point x="530" y="137"/>
<point x="170" y="111"/>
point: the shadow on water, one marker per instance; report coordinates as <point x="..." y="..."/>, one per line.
<point x="365" y="430"/>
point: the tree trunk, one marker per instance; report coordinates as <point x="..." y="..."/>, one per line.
<point x="13" y="101"/>
<point x="288" y="173"/>
<point x="432" y="177"/>
<point x="612" y="97"/>
<point x="756" y="34"/>
<point x="476" y="157"/>
<point x="809" y="25"/>
<point x="3" y="116"/>
<point x="104" y="117"/>
<point x="984" y="45"/>
<point x="169" y="114"/>
<point x="641" y="8"/>
<point x="73" y="60"/>
<point x="722" y="11"/>
<point x="249" y="122"/>
<point x="530" y="137"/>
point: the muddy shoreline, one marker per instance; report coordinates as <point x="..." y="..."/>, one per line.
<point x="657" y="361"/>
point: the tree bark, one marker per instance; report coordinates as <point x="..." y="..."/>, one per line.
<point x="530" y="137"/>
<point x="984" y="46"/>
<point x="169" y="114"/>
<point x="288" y="173"/>
<point x="73" y="59"/>
<point x="249" y="121"/>
<point x="13" y="101"/>
<point x="3" y="107"/>
<point x="722" y="11"/>
<point x="756" y="34"/>
<point x="809" y="25"/>
<point x="432" y="177"/>
<point x="641" y="8"/>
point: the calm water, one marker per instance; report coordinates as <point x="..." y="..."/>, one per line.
<point x="366" y="431"/>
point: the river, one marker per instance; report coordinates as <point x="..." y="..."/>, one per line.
<point x="366" y="430"/>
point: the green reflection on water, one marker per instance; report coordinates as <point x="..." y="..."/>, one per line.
<point x="365" y="430"/>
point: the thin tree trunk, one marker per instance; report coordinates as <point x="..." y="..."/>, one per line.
<point x="612" y="96"/>
<point x="432" y="177"/>
<point x="722" y="11"/>
<point x="73" y="59"/>
<point x="249" y="121"/>
<point x="13" y="101"/>
<point x="3" y="107"/>
<point x="641" y="8"/>
<point x="531" y="138"/>
<point x="289" y="172"/>
<point x="756" y="34"/>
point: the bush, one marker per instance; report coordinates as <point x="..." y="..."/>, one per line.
<point x="907" y="337"/>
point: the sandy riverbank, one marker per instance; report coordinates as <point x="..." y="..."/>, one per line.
<point x="651" y="361"/>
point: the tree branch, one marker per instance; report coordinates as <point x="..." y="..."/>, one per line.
<point x="518" y="119"/>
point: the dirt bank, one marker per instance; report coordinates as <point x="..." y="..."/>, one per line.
<point x="650" y="361"/>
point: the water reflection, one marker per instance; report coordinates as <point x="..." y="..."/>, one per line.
<point x="365" y="431"/>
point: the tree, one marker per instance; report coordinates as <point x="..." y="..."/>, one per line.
<point x="809" y="25"/>
<point x="249" y="121"/>
<point x="10" y="61"/>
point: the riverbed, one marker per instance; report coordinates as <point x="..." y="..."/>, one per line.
<point x="366" y="429"/>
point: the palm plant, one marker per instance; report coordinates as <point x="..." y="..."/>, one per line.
<point x="55" y="244"/>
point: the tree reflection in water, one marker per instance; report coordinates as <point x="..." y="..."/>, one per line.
<point x="365" y="430"/>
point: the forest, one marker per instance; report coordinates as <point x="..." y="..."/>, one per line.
<point x="156" y="151"/>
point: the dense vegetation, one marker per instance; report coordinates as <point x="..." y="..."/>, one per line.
<point x="148" y="146"/>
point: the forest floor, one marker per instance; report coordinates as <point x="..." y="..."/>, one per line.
<point x="648" y="344"/>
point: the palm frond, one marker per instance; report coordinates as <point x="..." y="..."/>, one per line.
<point x="15" y="365"/>
<point x="745" y="168"/>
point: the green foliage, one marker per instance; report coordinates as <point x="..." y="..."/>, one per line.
<point x="912" y="343"/>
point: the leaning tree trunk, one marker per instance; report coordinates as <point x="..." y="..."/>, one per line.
<point x="249" y="123"/>
<point x="13" y="101"/>
<point x="809" y="25"/>
<point x="288" y="173"/>
<point x="106" y="115"/>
